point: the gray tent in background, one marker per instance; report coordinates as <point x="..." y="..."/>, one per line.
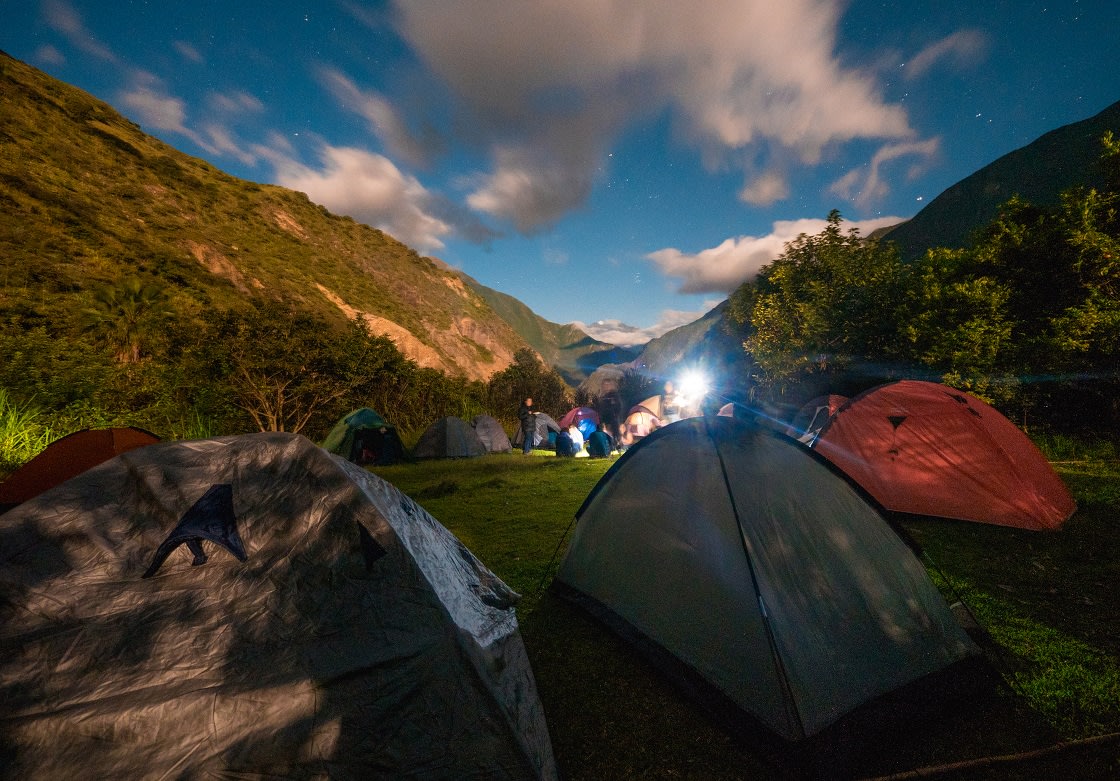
<point x="449" y="438"/>
<point x="491" y="433"/>
<point x="544" y="424"/>
<point x="254" y="606"/>
<point x="753" y="564"/>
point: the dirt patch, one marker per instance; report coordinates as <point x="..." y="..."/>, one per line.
<point x="288" y="224"/>
<point x="218" y="264"/>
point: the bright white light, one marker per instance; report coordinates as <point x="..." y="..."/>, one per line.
<point x="692" y="388"/>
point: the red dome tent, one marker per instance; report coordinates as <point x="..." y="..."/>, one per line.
<point x="928" y="449"/>
<point x="68" y="457"/>
<point x="585" y="419"/>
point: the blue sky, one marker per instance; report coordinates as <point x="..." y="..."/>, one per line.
<point x="622" y="164"/>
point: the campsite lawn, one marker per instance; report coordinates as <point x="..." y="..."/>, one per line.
<point x="1047" y="604"/>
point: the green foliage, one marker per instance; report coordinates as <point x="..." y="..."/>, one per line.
<point x="124" y="316"/>
<point x="956" y="324"/>
<point x="276" y="366"/>
<point x="1027" y="317"/>
<point x="527" y="377"/>
<point x="419" y="396"/>
<point x="830" y="305"/>
<point x="23" y="433"/>
<point x="635" y="386"/>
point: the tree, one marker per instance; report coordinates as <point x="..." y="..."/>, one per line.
<point x="527" y="376"/>
<point x="124" y="316"/>
<point x="827" y="307"/>
<point x="284" y="367"/>
<point x="956" y="325"/>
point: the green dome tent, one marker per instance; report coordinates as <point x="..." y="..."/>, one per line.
<point x="748" y="562"/>
<point x="252" y="607"/>
<point x="364" y="437"/>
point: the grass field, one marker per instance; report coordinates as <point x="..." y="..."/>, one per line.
<point x="1047" y="604"/>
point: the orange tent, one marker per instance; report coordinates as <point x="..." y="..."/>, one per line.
<point x="68" y="457"/>
<point x="928" y="449"/>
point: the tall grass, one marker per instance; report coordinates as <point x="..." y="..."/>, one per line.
<point x="23" y="434"/>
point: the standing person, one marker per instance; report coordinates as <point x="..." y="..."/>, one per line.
<point x="528" y="417"/>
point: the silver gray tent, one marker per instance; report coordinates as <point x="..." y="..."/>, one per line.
<point x="759" y="568"/>
<point x="449" y="437"/>
<point x="491" y="433"/>
<point x="543" y="423"/>
<point x="254" y="607"/>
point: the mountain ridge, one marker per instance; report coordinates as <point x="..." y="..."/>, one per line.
<point x="1038" y="172"/>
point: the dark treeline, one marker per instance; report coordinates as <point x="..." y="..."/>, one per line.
<point x="127" y="360"/>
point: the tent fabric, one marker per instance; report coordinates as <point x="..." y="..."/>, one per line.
<point x="651" y="405"/>
<point x="640" y="422"/>
<point x="585" y="419"/>
<point x="491" y="433"/>
<point x="358" y="639"/>
<point x="364" y="437"/>
<point x="68" y="457"/>
<point x="758" y="566"/>
<point x="813" y="416"/>
<point x="545" y="423"/>
<point x="449" y="437"/>
<point x="928" y="449"/>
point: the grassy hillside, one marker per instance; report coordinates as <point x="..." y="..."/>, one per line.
<point x="86" y="197"/>
<point x="574" y="354"/>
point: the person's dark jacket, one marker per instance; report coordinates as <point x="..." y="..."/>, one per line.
<point x="525" y="415"/>
<point x="598" y="444"/>
<point x="564" y="444"/>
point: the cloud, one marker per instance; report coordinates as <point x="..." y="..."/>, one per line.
<point x="735" y="77"/>
<point x="371" y="189"/>
<point x="49" y="55"/>
<point x="619" y="333"/>
<point x="723" y="268"/>
<point x="220" y="140"/>
<point x="64" y="19"/>
<point x="415" y="148"/>
<point x="964" y="48"/>
<point x="530" y="193"/>
<point x="188" y="52"/>
<point x="152" y="106"/>
<point x="765" y="190"/>
<point x="864" y="186"/>
<point x="237" y="102"/>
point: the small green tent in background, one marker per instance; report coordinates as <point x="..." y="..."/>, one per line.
<point x="364" y="437"/>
